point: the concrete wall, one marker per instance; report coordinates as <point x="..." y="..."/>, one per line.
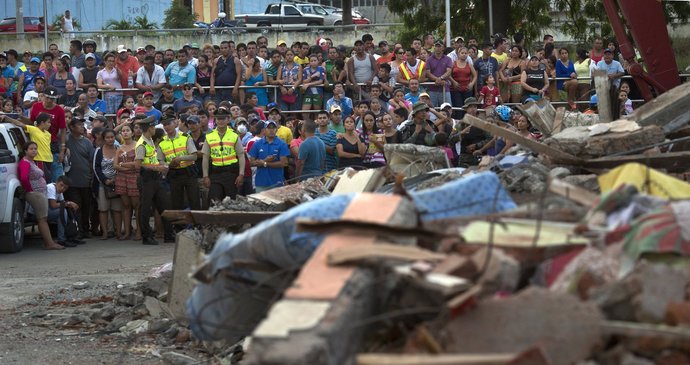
<point x="176" y="40"/>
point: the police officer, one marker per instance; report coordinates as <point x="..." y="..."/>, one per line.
<point x="179" y="152"/>
<point x="147" y="160"/>
<point x="223" y="164"/>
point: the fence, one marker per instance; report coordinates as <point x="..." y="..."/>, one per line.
<point x="276" y="87"/>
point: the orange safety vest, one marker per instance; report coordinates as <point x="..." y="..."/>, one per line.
<point x="407" y="73"/>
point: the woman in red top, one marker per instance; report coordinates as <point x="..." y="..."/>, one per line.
<point x="464" y="77"/>
<point x="33" y="182"/>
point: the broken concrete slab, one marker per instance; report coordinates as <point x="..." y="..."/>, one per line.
<point x="187" y="256"/>
<point x="588" y="182"/>
<point x="665" y="108"/>
<point x="289" y="315"/>
<point x="567" y="329"/>
<point x="412" y="160"/>
<point x="578" y="142"/>
<point x="352" y="181"/>
<point x="604" y="102"/>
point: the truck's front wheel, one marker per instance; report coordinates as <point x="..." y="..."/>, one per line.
<point x="13" y="230"/>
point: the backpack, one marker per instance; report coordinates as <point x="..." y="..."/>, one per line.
<point x="69" y="221"/>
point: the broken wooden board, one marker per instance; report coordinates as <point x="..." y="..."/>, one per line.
<point x="672" y="161"/>
<point x="222" y="218"/>
<point x="603" y="86"/>
<point x="538" y="117"/>
<point x="558" y="121"/>
<point x="352" y="181"/>
<point x="538" y="147"/>
<point x="318" y="280"/>
<point x="285" y="197"/>
<point x="187" y="256"/>
<point x="572" y="192"/>
<point x="353" y="254"/>
<point x="636" y="329"/>
<point x="442" y="359"/>
<point x="522" y="233"/>
<point x="664" y="108"/>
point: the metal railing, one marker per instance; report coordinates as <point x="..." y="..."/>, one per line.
<point x="276" y="87"/>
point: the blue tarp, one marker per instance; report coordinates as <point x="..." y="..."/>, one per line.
<point x="229" y="309"/>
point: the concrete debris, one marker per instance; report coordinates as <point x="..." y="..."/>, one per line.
<point x="565" y="328"/>
<point x="559" y="172"/>
<point x="587" y="182"/>
<point x="525" y="177"/>
<point x="174" y="358"/>
<point x="81" y="285"/>
<point x="578" y="141"/>
<point x="135" y="327"/>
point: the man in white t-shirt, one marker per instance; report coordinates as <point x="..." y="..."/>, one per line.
<point x="55" y="201"/>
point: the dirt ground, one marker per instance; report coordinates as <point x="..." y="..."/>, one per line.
<point x="37" y="286"/>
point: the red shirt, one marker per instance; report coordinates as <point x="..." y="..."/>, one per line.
<point x="56" y="124"/>
<point x="490" y="96"/>
<point x="131" y="64"/>
<point x="385" y="59"/>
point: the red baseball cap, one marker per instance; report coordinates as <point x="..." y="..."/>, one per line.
<point x="123" y="110"/>
<point x="148" y="93"/>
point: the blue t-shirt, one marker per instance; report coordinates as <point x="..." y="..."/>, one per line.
<point x="329" y="139"/>
<point x="178" y="75"/>
<point x="612" y="68"/>
<point x="99" y="106"/>
<point x="312" y="153"/>
<point x="269" y="176"/>
<point x="29" y="80"/>
<point x="563" y="70"/>
<point x="319" y="73"/>
<point x="155" y="113"/>
<point x="180" y="104"/>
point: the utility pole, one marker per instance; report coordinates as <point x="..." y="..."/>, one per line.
<point x="45" y="25"/>
<point x="20" y="17"/>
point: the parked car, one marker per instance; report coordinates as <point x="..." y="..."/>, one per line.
<point x="284" y="16"/>
<point x="357" y="17"/>
<point x="314" y="9"/>
<point x="12" y="204"/>
<point x="32" y="24"/>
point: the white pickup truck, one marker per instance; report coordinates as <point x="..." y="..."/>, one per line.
<point x="282" y="16"/>
<point x="12" y="140"/>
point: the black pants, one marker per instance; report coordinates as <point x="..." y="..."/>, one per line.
<point x="83" y="197"/>
<point x="152" y="194"/>
<point x="222" y="183"/>
<point x="184" y="183"/>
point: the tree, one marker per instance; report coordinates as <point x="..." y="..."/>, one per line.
<point x="143" y="23"/>
<point x="179" y="16"/>
<point x="113" y="24"/>
<point x="582" y="19"/>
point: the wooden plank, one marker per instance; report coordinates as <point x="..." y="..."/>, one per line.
<point x="603" y="86"/>
<point x="538" y="147"/>
<point x="558" y="121"/>
<point x="634" y="329"/>
<point x="461" y="299"/>
<point x="318" y="280"/>
<point x="572" y="192"/>
<point x="445" y="359"/>
<point x="217" y="217"/>
<point x="672" y="161"/>
<point x="354" y="254"/>
<point x="331" y="226"/>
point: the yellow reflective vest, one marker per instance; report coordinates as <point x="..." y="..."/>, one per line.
<point x="222" y="151"/>
<point x="175" y="147"/>
<point x="150" y="158"/>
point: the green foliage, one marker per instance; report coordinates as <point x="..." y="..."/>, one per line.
<point x="585" y="19"/>
<point x="468" y="17"/>
<point x="144" y="23"/>
<point x="581" y="19"/>
<point x="113" y="24"/>
<point x="179" y="16"/>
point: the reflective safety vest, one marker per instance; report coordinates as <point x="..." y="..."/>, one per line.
<point x="407" y="73"/>
<point x="172" y="148"/>
<point x="150" y="158"/>
<point x="222" y="151"/>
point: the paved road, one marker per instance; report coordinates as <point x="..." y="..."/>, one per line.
<point x="26" y="274"/>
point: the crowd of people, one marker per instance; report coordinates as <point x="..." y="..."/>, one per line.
<point x="132" y="132"/>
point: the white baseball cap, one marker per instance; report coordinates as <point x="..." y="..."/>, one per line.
<point x="444" y="105"/>
<point x="121" y="48"/>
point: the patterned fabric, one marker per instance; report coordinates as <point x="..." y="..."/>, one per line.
<point x="126" y="182"/>
<point x="658" y="232"/>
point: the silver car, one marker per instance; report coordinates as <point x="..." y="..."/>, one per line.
<point x="314" y="9"/>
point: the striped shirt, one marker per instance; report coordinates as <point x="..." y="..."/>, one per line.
<point x="330" y="140"/>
